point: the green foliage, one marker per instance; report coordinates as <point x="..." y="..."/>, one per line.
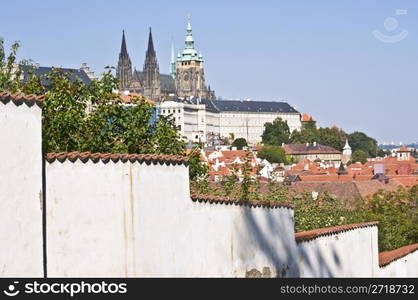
<point x="239" y="143"/>
<point x="64" y="114"/>
<point x="9" y="69"/>
<point x="229" y="184"/>
<point x="360" y="141"/>
<point x="309" y="125"/>
<point x="274" y="154"/>
<point x="333" y="137"/>
<point x="198" y="170"/>
<point x="359" y="156"/>
<point x="324" y="211"/>
<point x="276" y="133"/>
<point x="92" y="118"/>
<point x="397" y="213"/>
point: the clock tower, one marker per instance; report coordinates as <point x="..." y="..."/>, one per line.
<point x="190" y="76"/>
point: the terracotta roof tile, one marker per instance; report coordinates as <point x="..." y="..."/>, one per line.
<point x="306" y="118"/>
<point x="387" y="257"/>
<point x="20" y="98"/>
<point x="106" y="157"/>
<point x="316" y="233"/>
<point x="404" y="149"/>
<point x="228" y="200"/>
<point x="295" y="149"/>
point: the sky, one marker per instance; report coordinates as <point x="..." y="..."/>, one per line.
<point x="353" y="64"/>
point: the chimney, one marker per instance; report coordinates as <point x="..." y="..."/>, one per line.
<point x="314" y="144"/>
<point x="307" y="144"/>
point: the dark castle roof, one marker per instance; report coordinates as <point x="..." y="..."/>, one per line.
<point x="252" y="106"/>
<point x="166" y="81"/>
<point x="244" y="106"/>
<point x="42" y="72"/>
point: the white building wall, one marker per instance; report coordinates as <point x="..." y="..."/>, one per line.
<point x="352" y="253"/>
<point x="197" y="121"/>
<point x="20" y="191"/>
<point x="131" y="219"/>
<point x="251" y="125"/>
<point x="406" y="266"/>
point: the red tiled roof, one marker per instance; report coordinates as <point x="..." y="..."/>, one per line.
<point x="138" y="97"/>
<point x="229" y="200"/>
<point x="306" y="118"/>
<point x="106" y="157"/>
<point x="335" y="178"/>
<point x="407" y="181"/>
<point x="370" y="187"/>
<point x="309" y="149"/>
<point x="387" y="257"/>
<point x="316" y="233"/>
<point x="20" y="98"/>
<point x="404" y="149"/>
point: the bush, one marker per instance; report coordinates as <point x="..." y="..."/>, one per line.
<point x="240" y="143"/>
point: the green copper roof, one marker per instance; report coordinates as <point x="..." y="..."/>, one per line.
<point x="189" y="53"/>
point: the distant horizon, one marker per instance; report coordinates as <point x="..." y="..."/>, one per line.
<point x="353" y="66"/>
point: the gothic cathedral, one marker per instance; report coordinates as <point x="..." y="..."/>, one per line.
<point x="186" y="79"/>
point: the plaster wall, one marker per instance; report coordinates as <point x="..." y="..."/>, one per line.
<point x="20" y="191"/>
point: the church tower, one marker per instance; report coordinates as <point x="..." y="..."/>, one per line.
<point x="151" y="83"/>
<point x="346" y="153"/>
<point x="190" y="76"/>
<point x="124" y="69"/>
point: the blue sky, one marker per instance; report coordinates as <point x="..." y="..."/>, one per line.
<point x="320" y="56"/>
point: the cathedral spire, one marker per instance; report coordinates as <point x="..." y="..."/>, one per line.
<point x="189" y="52"/>
<point x="172" y="62"/>
<point x="150" y="50"/>
<point x="123" y="50"/>
<point x="189" y="36"/>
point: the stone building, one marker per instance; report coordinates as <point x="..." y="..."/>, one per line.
<point x="149" y="83"/>
<point x="346" y="157"/>
<point x="189" y="71"/>
<point x="313" y="152"/>
<point x="208" y="121"/>
<point x="186" y="78"/>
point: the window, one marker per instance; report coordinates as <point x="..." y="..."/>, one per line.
<point x="179" y="110"/>
<point x="163" y="111"/>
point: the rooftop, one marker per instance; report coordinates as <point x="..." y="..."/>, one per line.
<point x="42" y="72"/>
<point x="309" y="148"/>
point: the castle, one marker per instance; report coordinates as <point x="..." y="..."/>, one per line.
<point x="186" y="78"/>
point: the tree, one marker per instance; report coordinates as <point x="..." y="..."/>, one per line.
<point x="360" y="141"/>
<point x="274" y="154"/>
<point x="333" y="137"/>
<point x="397" y="214"/>
<point x="239" y="143"/>
<point x="309" y="124"/>
<point x="306" y="135"/>
<point x="198" y="170"/>
<point x="359" y="156"/>
<point x="276" y="133"/>
<point x="80" y="117"/>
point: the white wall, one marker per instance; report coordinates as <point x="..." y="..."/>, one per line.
<point x="131" y="219"/>
<point x="20" y="191"/>
<point x="406" y="266"/>
<point x="250" y="125"/>
<point x="352" y="253"/>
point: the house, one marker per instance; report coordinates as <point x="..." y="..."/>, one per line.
<point x="313" y="151"/>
